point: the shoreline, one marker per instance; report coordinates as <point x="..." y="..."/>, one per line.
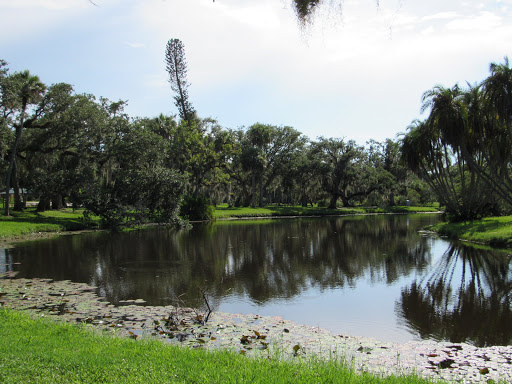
<point x="250" y="334"/>
<point x="9" y="242"/>
<point x="253" y="335"/>
<point x="319" y="216"/>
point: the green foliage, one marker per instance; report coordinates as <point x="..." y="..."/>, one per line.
<point x="495" y="231"/>
<point x="347" y="171"/>
<point x="19" y="91"/>
<point x="176" y="66"/>
<point x="463" y="149"/>
<point x="266" y="157"/>
<point x="136" y="196"/>
<point x="81" y="151"/>
<point x="196" y="208"/>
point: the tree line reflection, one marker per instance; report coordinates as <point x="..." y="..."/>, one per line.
<point x="465" y="298"/>
<point x="260" y="260"/>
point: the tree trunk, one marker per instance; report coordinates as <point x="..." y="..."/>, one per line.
<point x="44" y="204"/>
<point x="18" y="204"/>
<point x="392" y="199"/>
<point x="345" y="201"/>
<point x="261" y="191"/>
<point x="334" y="200"/>
<point x="57" y="202"/>
<point x="12" y="156"/>
<point x="253" y="202"/>
<point x="197" y="187"/>
<point x="229" y="196"/>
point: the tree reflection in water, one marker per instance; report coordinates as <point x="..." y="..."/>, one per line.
<point x="359" y="264"/>
<point x="262" y="261"/>
<point x="467" y="298"/>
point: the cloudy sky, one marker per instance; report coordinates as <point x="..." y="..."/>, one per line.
<point x="358" y="73"/>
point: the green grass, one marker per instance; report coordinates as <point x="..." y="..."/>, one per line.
<point x="496" y="231"/>
<point x="223" y="212"/>
<point x="45" y="351"/>
<point x="30" y="221"/>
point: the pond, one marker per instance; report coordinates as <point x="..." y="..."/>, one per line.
<point x="373" y="276"/>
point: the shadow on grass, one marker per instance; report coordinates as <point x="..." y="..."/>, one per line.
<point x="494" y="231"/>
<point x="67" y="219"/>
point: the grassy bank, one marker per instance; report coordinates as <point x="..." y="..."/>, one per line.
<point x="496" y="231"/>
<point x="44" y="351"/>
<point x="30" y="221"/>
<point x="224" y="212"/>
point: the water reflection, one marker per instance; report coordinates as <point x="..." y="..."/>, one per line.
<point x="276" y="259"/>
<point x="3" y="262"/>
<point x="465" y="298"/>
<point x="357" y="264"/>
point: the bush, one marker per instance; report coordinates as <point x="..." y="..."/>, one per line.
<point x="196" y="208"/>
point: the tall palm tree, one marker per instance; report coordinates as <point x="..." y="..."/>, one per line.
<point x="447" y="111"/>
<point x="485" y="144"/>
<point x="497" y="132"/>
<point x="27" y="89"/>
<point x="498" y="89"/>
<point x="437" y="151"/>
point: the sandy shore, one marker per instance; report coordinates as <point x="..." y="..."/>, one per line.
<point x="253" y="334"/>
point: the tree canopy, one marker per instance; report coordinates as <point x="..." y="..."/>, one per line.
<point x="84" y="151"/>
<point x="66" y="148"/>
<point x="463" y="149"/>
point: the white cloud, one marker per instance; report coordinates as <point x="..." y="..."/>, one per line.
<point x="359" y="74"/>
<point x="485" y="21"/>
<point x="441" y="16"/>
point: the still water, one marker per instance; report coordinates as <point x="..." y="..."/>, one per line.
<point x="372" y="276"/>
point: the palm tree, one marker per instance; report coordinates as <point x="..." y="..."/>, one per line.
<point x="447" y="111"/>
<point x="498" y="89"/>
<point x="27" y="89"/>
<point x="437" y="150"/>
<point x="497" y="132"/>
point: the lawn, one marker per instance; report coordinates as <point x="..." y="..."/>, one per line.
<point x="224" y="212"/>
<point x="496" y="231"/>
<point x="30" y="221"/>
<point x="46" y="351"/>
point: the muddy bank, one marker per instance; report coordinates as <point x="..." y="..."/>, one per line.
<point x="253" y="334"/>
<point x="9" y="242"/>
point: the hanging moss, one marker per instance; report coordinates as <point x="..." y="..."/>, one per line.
<point x="305" y="9"/>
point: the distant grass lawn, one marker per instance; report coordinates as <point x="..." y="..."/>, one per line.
<point x="45" y="351"/>
<point x="223" y="212"/>
<point x="496" y="231"/>
<point x="30" y="221"/>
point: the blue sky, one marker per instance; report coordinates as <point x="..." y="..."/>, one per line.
<point x="358" y="73"/>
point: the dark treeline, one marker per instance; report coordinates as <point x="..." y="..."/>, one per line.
<point x="70" y="149"/>
<point x="463" y="150"/>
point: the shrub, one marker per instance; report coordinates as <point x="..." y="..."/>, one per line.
<point x="196" y="208"/>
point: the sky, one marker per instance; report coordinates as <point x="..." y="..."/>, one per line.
<point x="358" y="72"/>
